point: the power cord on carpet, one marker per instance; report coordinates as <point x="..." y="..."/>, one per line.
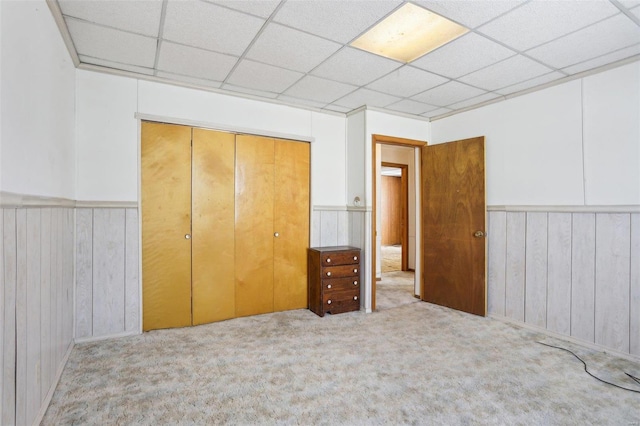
<point x="636" y="379"/>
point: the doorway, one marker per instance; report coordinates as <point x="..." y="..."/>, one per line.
<point x="396" y="227"/>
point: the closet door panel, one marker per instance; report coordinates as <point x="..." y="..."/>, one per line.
<point x="254" y="225"/>
<point x="291" y="222"/>
<point x="166" y="219"/>
<point x="213" y="248"/>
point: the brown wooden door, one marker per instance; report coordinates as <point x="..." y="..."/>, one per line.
<point x="291" y="223"/>
<point x="453" y="225"/>
<point x="392" y="211"/>
<point x="166" y="220"/>
<point x="213" y="219"/>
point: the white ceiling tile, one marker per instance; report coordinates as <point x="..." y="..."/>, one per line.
<point x="538" y="22"/>
<point x="604" y="59"/>
<point x="355" y="66"/>
<point x="411" y="107"/>
<point x="189" y="80"/>
<point x="366" y="97"/>
<point x="407" y="81"/>
<point x="141" y="16"/>
<point x="436" y="112"/>
<point x="474" y="101"/>
<point x="537" y="81"/>
<point x="629" y="3"/>
<point x="448" y="93"/>
<point x="636" y="12"/>
<point x="336" y="20"/>
<point x="262" y="8"/>
<point x="470" y="13"/>
<point x="510" y="71"/>
<point x="246" y="91"/>
<point x="337" y="108"/>
<point x="599" y="39"/>
<point x="209" y="26"/>
<point x="463" y="55"/>
<point x="254" y="75"/>
<point x="298" y="101"/>
<point x="291" y="49"/>
<point x="195" y="62"/>
<point x="319" y="89"/>
<point x="112" y="45"/>
<point x="115" y="65"/>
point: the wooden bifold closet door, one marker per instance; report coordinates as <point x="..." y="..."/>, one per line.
<point x="225" y="225"/>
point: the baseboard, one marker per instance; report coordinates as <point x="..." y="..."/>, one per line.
<point x="54" y="385"/>
<point x="105" y="337"/>
<point x="590" y="345"/>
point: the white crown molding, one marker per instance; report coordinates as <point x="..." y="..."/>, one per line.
<point x="567" y="209"/>
<point x="54" y="7"/>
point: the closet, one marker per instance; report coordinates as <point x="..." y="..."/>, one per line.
<point x="225" y="225"/>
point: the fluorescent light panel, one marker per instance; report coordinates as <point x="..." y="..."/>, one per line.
<point x="408" y="33"/>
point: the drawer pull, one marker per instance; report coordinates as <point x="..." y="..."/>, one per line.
<point x="328" y="274"/>
<point x="329" y="302"/>
<point x="355" y="271"/>
<point x="355" y="283"/>
<point x="355" y="297"/>
<point x="355" y="257"/>
<point x="329" y="286"/>
<point x="328" y="260"/>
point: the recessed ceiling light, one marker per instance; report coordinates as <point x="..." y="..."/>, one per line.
<point x="409" y="33"/>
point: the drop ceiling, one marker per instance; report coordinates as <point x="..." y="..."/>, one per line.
<point x="298" y="52"/>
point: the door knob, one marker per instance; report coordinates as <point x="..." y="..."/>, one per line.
<point x="277" y="234"/>
<point x="479" y="234"/>
<point x="187" y="236"/>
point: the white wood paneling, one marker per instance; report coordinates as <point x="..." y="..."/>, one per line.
<point x="559" y="277"/>
<point x="613" y="240"/>
<point x="536" y="270"/>
<point x="21" y="316"/>
<point x="315" y="228"/>
<point x="108" y="271"/>
<point x="69" y="232"/>
<point x="328" y="228"/>
<point x="84" y="273"/>
<point x="2" y="291"/>
<point x="634" y="300"/>
<point x="343" y="228"/>
<point x="496" y="262"/>
<point x="132" y="282"/>
<point x="45" y="305"/>
<point x="9" y="329"/>
<point x="33" y="386"/>
<point x="515" y="266"/>
<point x="583" y="276"/>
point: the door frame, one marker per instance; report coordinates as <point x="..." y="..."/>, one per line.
<point x="396" y="141"/>
<point x="404" y="200"/>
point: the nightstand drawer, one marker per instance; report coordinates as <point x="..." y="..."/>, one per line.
<point x="339" y="284"/>
<point x="334" y="279"/>
<point x="341" y="258"/>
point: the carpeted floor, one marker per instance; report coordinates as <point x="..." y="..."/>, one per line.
<point x="395" y="289"/>
<point x="416" y="363"/>
<point x="391" y="258"/>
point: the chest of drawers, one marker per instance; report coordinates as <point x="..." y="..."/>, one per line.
<point x="334" y="279"/>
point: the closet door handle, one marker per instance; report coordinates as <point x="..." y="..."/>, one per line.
<point x="277" y="234"/>
<point x="187" y="236"/>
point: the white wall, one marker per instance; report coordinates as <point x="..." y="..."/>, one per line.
<point x="37" y="85"/>
<point x="536" y="144"/>
<point x="612" y="136"/>
<point x="108" y="133"/>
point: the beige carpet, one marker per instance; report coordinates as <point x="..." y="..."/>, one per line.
<point x="413" y="364"/>
<point x="395" y="289"/>
<point x="391" y="258"/>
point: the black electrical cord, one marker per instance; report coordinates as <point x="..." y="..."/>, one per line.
<point x="595" y="377"/>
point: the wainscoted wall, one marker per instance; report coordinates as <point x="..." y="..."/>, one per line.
<point x="329" y="225"/>
<point x="359" y="220"/>
<point x="36" y="307"/>
<point x="107" y="264"/>
<point x="572" y="273"/>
